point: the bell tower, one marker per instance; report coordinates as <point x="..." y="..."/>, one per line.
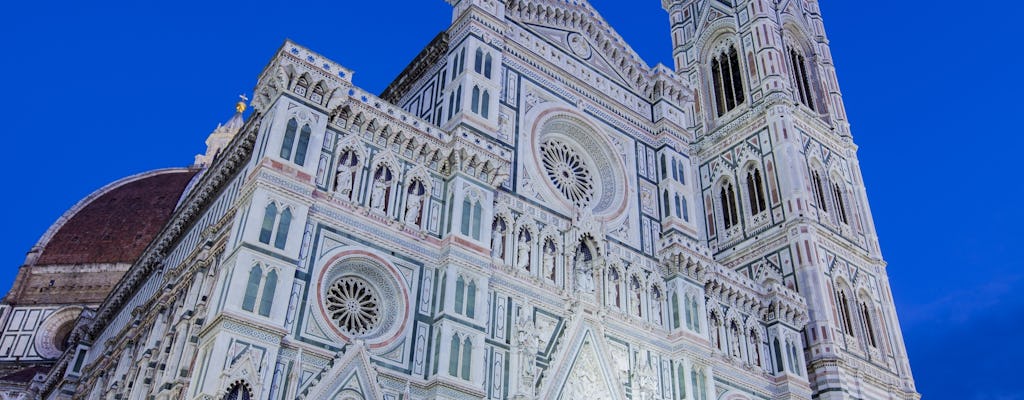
<point x="783" y="196"/>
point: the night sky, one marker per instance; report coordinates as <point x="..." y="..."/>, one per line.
<point x="95" y="91"/>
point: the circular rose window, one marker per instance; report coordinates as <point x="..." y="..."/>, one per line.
<point x="353" y="305"/>
<point x="568" y="172"/>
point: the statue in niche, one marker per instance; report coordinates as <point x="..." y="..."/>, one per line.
<point x="414" y="203"/>
<point x="498" y="239"/>
<point x="523" y="250"/>
<point x="656" y="305"/>
<point x="584" y="269"/>
<point x="755" y="350"/>
<point x="548" y="260"/>
<point x="736" y="336"/>
<point x="381" y="186"/>
<point x="345" y="176"/>
<point x="527" y="342"/>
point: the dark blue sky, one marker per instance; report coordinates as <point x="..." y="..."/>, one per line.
<point x="95" y="91"/>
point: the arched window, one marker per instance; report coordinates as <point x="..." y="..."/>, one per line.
<point x="844" y="313"/>
<point x="288" y="146"/>
<point x="686" y="210"/>
<point x="679" y="207"/>
<point x="453" y="356"/>
<point x="267" y="298"/>
<point x="289" y="139"/>
<point x="485" y="106"/>
<point x="478" y="62"/>
<point x="238" y="391"/>
<point x="471" y="300"/>
<point x="664" y="167"/>
<point x="755" y="191"/>
<point x="727" y="80"/>
<point x="267" y="230"/>
<point x="302" y="87"/>
<point x="467" y="358"/>
<point x="252" y="288"/>
<point x="869" y="328"/>
<point x="318" y="94"/>
<point x="801" y="79"/>
<point x="283" y="225"/>
<point x="819" y="190"/>
<point x="730" y="211"/>
<point x="460" y="293"/>
<point x="675" y="310"/>
<point x="487" y="66"/>
<point x="478" y="211"/>
<point x="475" y="100"/>
<point x="840" y="203"/>
<point x="779" y="366"/>
<point x="667" y="206"/>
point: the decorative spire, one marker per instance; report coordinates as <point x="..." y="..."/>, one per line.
<point x="240" y="106"/>
<point x="222" y="135"/>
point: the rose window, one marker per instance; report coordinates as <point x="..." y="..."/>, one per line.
<point x="568" y="172"/>
<point x="353" y="305"/>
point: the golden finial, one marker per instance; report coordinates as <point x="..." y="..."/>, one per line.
<point x="240" y="107"/>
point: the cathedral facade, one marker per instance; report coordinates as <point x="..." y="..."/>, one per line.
<point x="528" y="212"/>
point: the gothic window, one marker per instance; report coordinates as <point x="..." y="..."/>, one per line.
<point x="487" y="66"/>
<point x="267" y="231"/>
<point x="453" y="356"/>
<point x="681" y="377"/>
<point x="478" y="61"/>
<point x="727" y="80"/>
<point x="779" y="366"/>
<point x="844" y="312"/>
<point x="283" y="225"/>
<point x="252" y="287"/>
<point x="238" y="391"/>
<point x="685" y="208"/>
<point x="755" y="191"/>
<point x="675" y="310"/>
<point x="467" y="358"/>
<point x="302" y="87"/>
<point x="267" y="298"/>
<point x="465" y="297"/>
<point x="801" y="78"/>
<point x="475" y="100"/>
<point x="868" y="326"/>
<point x="664" y="167"/>
<point x="730" y="211"/>
<point x="289" y="147"/>
<point x="699" y="380"/>
<point x="819" y="190"/>
<point x="682" y="173"/>
<point x="840" y="204"/>
<point x="485" y="106"/>
<point x="666" y="204"/>
<point x="259" y="288"/>
<point x="318" y="94"/>
<point x="472" y="212"/>
<point x="460" y="358"/>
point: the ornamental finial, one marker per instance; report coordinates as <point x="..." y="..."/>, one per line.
<point x="240" y="107"/>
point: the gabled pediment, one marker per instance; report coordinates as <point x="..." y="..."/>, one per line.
<point x="579" y="30"/>
<point x="351" y="376"/>
<point x="586" y="370"/>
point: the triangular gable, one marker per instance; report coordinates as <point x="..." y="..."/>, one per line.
<point x="353" y="373"/>
<point x="587" y="373"/>
<point x="580" y="30"/>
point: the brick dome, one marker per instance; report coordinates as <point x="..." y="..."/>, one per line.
<point x="116" y="223"/>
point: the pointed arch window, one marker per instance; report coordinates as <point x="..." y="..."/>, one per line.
<point x="272" y="220"/>
<point x="727" y="80"/>
<point x="869" y="328"/>
<point x="238" y="391"/>
<point x="844" y="313"/>
<point x="475" y="100"/>
<point x="453" y="356"/>
<point x="478" y="61"/>
<point x="840" y="203"/>
<point x="460" y="358"/>
<point x="259" y="288"/>
<point x="467" y="358"/>
<point x="755" y="191"/>
<point x="485" y="104"/>
<point x="819" y="190"/>
<point x="681" y="377"/>
<point x="290" y="150"/>
<point x="465" y="297"/>
<point x="801" y="78"/>
<point x="302" y="87"/>
<point x="487" y="66"/>
<point x="675" y="310"/>
<point x="318" y="94"/>
<point x="730" y="211"/>
<point x="472" y="213"/>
